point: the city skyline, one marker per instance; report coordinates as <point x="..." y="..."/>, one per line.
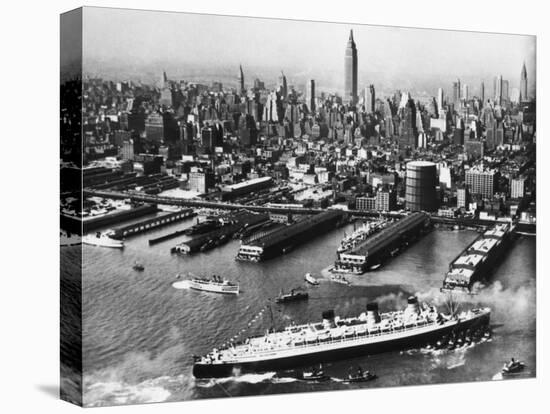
<point x="387" y="57"/>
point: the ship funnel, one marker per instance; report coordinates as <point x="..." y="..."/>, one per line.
<point x="413" y="308"/>
<point x="372" y="313"/>
<point x="328" y="319"/>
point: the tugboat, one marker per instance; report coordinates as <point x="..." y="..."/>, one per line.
<point x="314" y="374"/>
<point x="293" y="296"/>
<point x="138" y="267"/>
<point x="310" y="279"/>
<point x="359" y="376"/>
<point x="512" y="367"/>
<point x="339" y="279"/>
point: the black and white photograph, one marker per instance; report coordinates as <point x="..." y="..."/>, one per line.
<point x="257" y="206"/>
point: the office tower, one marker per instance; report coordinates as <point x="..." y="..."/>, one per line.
<point x="241" y="80"/>
<point x="505" y="91"/>
<point x="523" y="85"/>
<point x="517" y="187"/>
<point x="440" y="100"/>
<point x="283" y="86"/>
<point x="462" y="197"/>
<point x="408" y="131"/>
<point x="310" y="95"/>
<point x="482" y="94"/>
<point x="154" y="127"/>
<point x="445" y="177"/>
<point x="386" y="200"/>
<point x="370" y="99"/>
<point x="466" y="94"/>
<point x="482" y="182"/>
<point x="270" y="108"/>
<point x="490" y="139"/>
<point x="350" y="72"/>
<point x="456" y="91"/>
<point x="498" y="90"/>
<point x="128" y="150"/>
<point x="420" y="183"/>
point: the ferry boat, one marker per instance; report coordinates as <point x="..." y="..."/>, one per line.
<point x="310" y="279"/>
<point x="103" y="240"/>
<point x="216" y="284"/>
<point x="293" y="296"/>
<point x="337" y="338"/>
<point x="477" y="260"/>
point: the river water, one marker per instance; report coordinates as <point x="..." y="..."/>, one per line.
<point x="139" y="333"/>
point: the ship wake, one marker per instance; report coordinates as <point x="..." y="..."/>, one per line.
<point x="268" y="377"/>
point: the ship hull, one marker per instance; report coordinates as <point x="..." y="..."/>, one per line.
<point x="220" y="370"/>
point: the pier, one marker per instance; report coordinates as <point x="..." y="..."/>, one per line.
<point x="93" y="223"/>
<point x="232" y="224"/>
<point x="373" y="250"/>
<point x="285" y="238"/>
<point x="477" y="260"/>
<point x="152" y="223"/>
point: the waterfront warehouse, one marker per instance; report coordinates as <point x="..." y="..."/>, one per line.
<point x="376" y="248"/>
<point x="286" y="238"/>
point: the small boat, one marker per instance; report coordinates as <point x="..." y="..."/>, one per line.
<point x="138" y="266"/>
<point x="315" y="374"/>
<point x="103" y="240"/>
<point x="512" y="367"/>
<point x="293" y="296"/>
<point x="360" y="376"/>
<point x="310" y="279"/>
<point x="339" y="279"/>
<point x="375" y="267"/>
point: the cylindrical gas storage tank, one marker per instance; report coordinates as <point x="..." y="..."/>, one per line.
<point x="420" y="183"/>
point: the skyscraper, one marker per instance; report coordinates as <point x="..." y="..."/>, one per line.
<point x="498" y="90"/>
<point x="370" y="98"/>
<point x="482" y="94"/>
<point x="523" y="84"/>
<point x="283" y="86"/>
<point x="310" y="95"/>
<point x="505" y="96"/>
<point x="440" y="100"/>
<point x="456" y="91"/>
<point x="241" y="80"/>
<point x="350" y="72"/>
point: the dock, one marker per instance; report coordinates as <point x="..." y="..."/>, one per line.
<point x="284" y="239"/>
<point x="383" y="244"/>
<point x="93" y="223"/>
<point x="476" y="261"/>
<point x="152" y="223"/>
<point x="232" y="224"/>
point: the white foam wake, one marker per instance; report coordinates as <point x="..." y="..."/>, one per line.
<point x="181" y="284"/>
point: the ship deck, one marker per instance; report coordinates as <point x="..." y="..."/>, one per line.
<point x="312" y="338"/>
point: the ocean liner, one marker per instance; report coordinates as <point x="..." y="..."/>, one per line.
<point x="335" y="338"/>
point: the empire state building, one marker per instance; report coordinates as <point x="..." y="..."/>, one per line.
<point x="350" y="72"/>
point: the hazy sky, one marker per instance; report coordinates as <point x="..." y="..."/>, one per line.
<point x="130" y="43"/>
